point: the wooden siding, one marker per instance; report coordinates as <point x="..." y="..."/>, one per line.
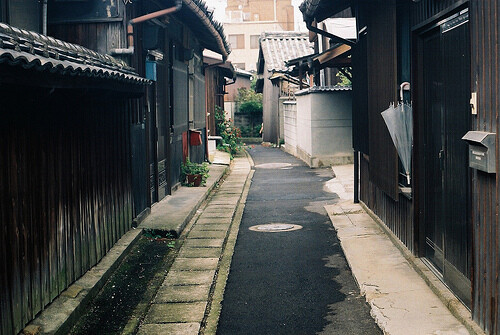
<point x="396" y="215"/>
<point x="485" y="61"/>
<point x="65" y="176"/>
<point x="360" y="124"/>
<point x="426" y="10"/>
<point x="382" y="84"/>
<point x="100" y="37"/>
<point x="214" y="96"/>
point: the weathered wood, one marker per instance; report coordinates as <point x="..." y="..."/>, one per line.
<point x="66" y="181"/>
<point x="485" y="65"/>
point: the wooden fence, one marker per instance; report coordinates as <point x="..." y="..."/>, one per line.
<point x="66" y="194"/>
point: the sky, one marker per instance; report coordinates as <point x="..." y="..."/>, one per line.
<point x="219" y="7"/>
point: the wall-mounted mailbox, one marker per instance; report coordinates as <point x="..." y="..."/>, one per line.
<point x="481" y="150"/>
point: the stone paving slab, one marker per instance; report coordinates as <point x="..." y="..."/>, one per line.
<point x="208" y="234"/>
<point x="211" y="227"/>
<point x="194" y="264"/>
<point x="218" y="210"/>
<point x="189" y="278"/>
<point x="200" y="252"/>
<point x="208" y="221"/>
<point x="175" y="293"/>
<point x="204" y="242"/>
<point x="224" y="200"/>
<point x="218" y="214"/>
<point x="176" y="312"/>
<point x="190" y="328"/>
<point x="180" y="304"/>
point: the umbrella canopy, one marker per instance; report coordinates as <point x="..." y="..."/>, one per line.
<point x="399" y="121"/>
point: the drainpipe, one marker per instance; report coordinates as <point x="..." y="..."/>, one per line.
<point x="327" y="34"/>
<point x="44" y="17"/>
<point x="356" y="176"/>
<point x="275" y="17"/>
<point x="141" y="19"/>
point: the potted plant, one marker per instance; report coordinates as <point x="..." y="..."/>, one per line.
<point x="194" y="174"/>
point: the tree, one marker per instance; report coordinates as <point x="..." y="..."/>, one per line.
<point x="249" y="103"/>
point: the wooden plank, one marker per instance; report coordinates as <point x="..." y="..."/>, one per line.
<point x="6" y="318"/>
<point x="382" y="72"/>
<point x="14" y="255"/>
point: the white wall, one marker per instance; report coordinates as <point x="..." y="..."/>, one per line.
<point x="290" y="126"/>
<point x="324" y="127"/>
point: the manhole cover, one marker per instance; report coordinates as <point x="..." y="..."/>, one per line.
<point x="273" y="165"/>
<point x="275" y="227"/>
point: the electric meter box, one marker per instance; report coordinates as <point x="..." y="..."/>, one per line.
<point x="481" y="150"/>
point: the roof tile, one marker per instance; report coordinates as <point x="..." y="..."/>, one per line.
<point x="278" y="47"/>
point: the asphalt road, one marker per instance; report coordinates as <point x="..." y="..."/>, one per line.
<point x="290" y="282"/>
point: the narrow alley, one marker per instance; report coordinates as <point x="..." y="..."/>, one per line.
<point x="288" y="273"/>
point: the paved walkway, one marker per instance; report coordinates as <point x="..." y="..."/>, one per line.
<point x="182" y="305"/>
<point x="400" y="299"/>
<point x="288" y="273"/>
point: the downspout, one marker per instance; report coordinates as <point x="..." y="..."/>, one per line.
<point x="275" y="17"/>
<point x="44" y="17"/>
<point x="327" y="34"/>
<point x="130" y="27"/>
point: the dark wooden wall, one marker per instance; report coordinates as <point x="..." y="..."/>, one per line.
<point x="376" y="82"/>
<point x="485" y="64"/>
<point x="214" y="96"/>
<point x="100" y="37"/>
<point x="382" y="84"/>
<point x="65" y="176"/>
<point x="424" y="11"/>
<point x="396" y="215"/>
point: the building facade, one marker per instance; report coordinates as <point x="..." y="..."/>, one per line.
<point x="246" y="20"/>
<point x="447" y="212"/>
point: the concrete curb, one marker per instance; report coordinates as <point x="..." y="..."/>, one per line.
<point x="172" y="216"/>
<point x="457" y="309"/>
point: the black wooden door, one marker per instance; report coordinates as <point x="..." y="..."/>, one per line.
<point x="446" y="71"/>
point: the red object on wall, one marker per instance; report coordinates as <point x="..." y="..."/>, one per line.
<point x="194" y="137"/>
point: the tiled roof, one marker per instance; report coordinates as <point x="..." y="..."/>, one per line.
<point x="316" y="89"/>
<point x="32" y="50"/>
<point x="209" y="31"/>
<point x="321" y="9"/>
<point x="279" y="47"/>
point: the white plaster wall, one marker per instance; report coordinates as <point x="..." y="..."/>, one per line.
<point x="304" y="123"/>
<point x="290" y="126"/>
<point x="324" y="127"/>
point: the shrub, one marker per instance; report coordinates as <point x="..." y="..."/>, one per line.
<point x="231" y="135"/>
<point x="190" y="168"/>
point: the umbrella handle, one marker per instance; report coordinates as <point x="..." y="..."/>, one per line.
<point x="405" y="86"/>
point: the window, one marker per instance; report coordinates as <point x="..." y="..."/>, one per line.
<point x="254" y="41"/>
<point x="237" y="41"/>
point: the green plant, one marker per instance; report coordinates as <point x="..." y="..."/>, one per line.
<point x="190" y="168"/>
<point x="249" y="103"/>
<point x="155" y="235"/>
<point x="231" y="135"/>
<point x="344" y="77"/>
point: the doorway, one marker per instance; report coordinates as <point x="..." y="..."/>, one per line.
<point x="445" y="54"/>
